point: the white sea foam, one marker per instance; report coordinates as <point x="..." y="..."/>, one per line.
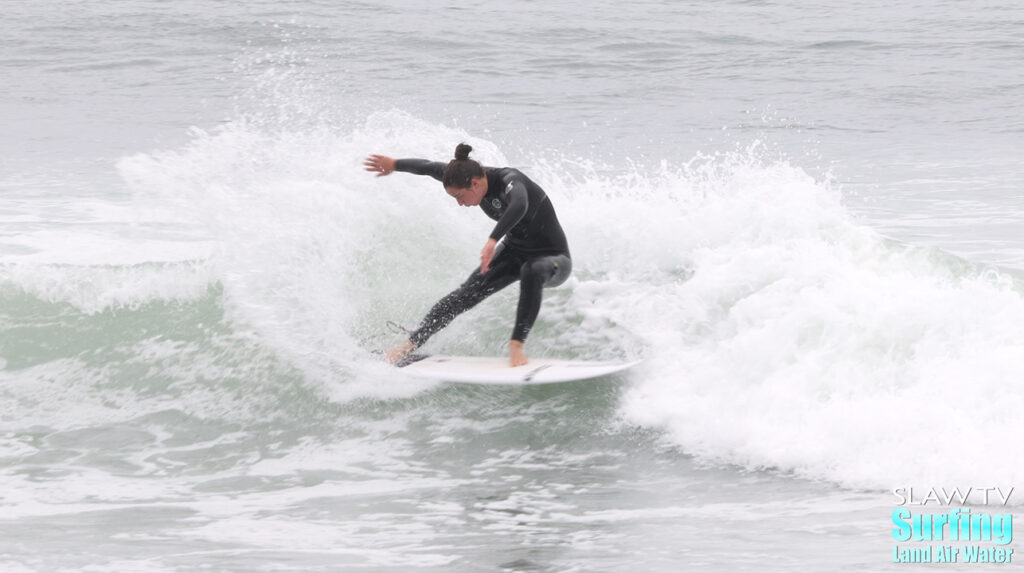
<point x="782" y="333"/>
<point x="312" y="251"/>
<point x="92" y="289"/>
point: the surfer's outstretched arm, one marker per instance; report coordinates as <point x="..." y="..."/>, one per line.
<point x="383" y="165"/>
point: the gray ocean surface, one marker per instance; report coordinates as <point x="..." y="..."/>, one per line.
<point x="804" y="217"/>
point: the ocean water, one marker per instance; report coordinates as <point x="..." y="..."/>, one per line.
<point x="805" y="218"/>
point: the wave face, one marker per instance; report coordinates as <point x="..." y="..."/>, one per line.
<point x="777" y="331"/>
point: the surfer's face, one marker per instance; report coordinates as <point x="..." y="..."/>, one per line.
<point x="472" y="195"/>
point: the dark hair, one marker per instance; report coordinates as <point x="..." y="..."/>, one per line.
<point x="460" y="171"/>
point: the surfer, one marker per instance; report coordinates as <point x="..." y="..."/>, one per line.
<point x="526" y="245"/>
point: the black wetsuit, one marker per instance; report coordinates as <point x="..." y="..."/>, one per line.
<point x="534" y="250"/>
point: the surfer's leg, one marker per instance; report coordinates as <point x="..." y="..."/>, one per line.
<point x="503" y="271"/>
<point x="534" y="275"/>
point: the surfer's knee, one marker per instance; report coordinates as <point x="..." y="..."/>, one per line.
<point x="562" y="269"/>
<point x="546" y="271"/>
<point x="534" y="271"/>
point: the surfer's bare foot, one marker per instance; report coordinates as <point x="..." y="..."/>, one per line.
<point x="516" y="356"/>
<point x="398" y="352"/>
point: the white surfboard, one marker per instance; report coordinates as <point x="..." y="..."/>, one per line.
<point x="495" y="370"/>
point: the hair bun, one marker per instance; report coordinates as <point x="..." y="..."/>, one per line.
<point x="462" y="152"/>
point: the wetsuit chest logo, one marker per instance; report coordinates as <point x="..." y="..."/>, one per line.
<point x="496" y="203"/>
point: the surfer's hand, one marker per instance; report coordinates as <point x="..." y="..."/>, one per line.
<point x="380" y="164"/>
<point x="486" y="254"/>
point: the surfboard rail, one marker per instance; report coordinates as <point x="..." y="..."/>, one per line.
<point x="495" y="370"/>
